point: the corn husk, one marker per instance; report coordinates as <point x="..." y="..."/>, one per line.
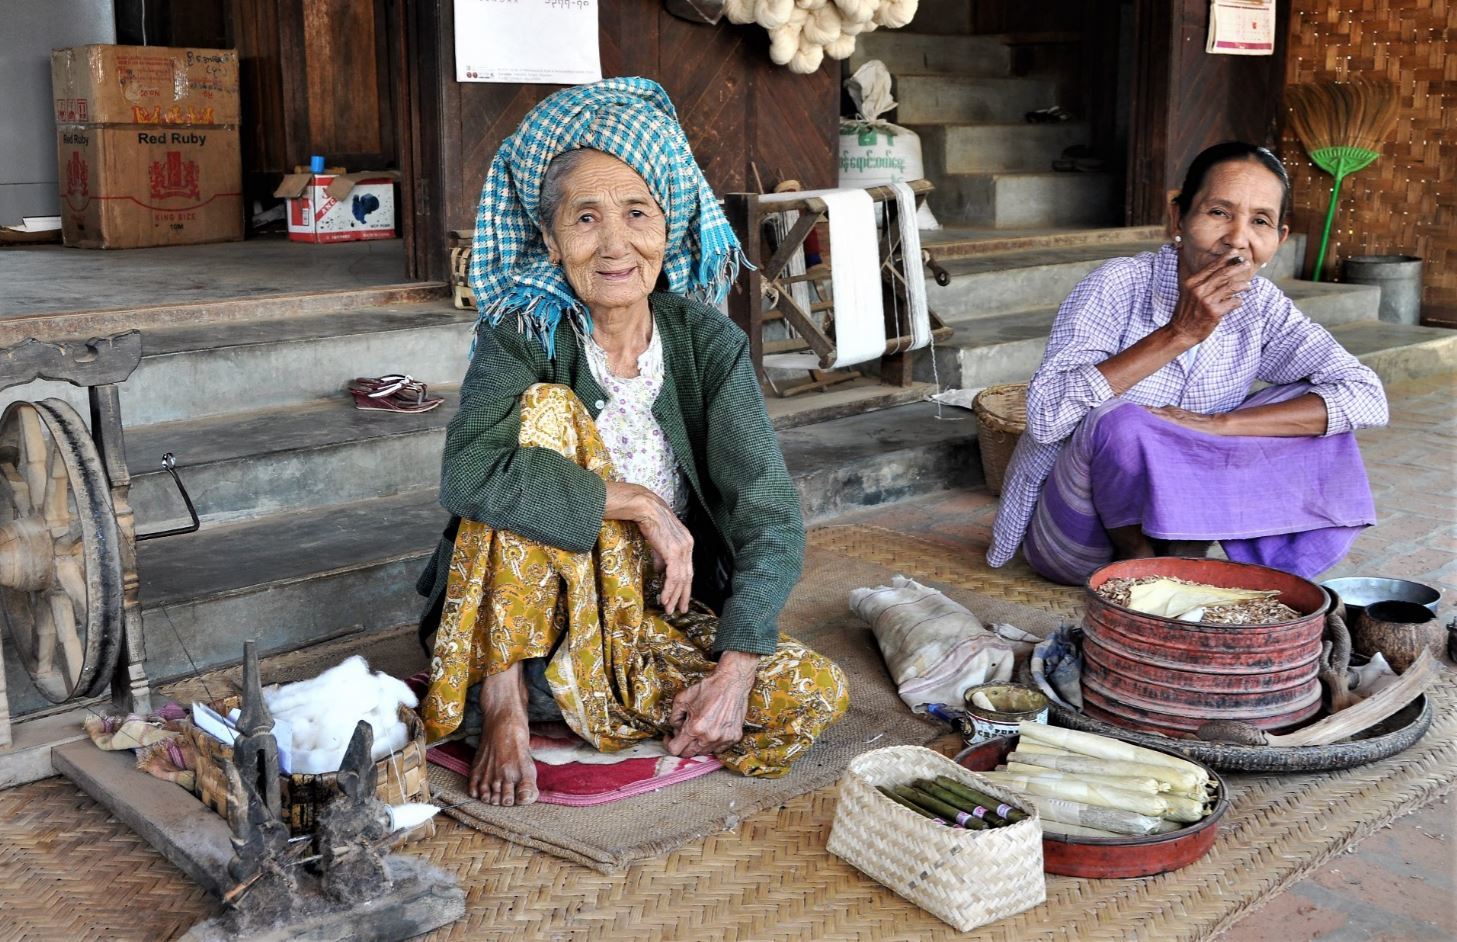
<point x="1175" y="780"/>
<point x="1144" y="786"/>
<point x="1103" y="747"/>
<point x="1085" y="792"/>
<point x="1185" y="810"/>
<point x="1124" y="823"/>
<point x="1169" y="599"/>
<point x="1027" y="747"/>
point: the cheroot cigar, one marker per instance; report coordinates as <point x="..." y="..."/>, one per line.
<point x="1000" y="808"/>
<point x="961" y="803"/>
<point x="906" y="804"/>
<point x="936" y="805"/>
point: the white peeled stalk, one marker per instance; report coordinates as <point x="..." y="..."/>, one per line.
<point x="1103" y="747"/>
<point x="1144" y="786"/>
<point x="1085" y="792"/>
<point x="1074" y="830"/>
<point x="1185" y="810"/>
<point x="1062" y="811"/>
<point x="1176" y="780"/>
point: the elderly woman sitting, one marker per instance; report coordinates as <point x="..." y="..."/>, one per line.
<point x="1141" y="435"/>
<point x="612" y="471"/>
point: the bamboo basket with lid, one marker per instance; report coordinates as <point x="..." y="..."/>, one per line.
<point x="1001" y="414"/>
<point x="963" y="877"/>
<point x="402" y="776"/>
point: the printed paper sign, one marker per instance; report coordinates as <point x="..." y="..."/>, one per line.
<point x="1241" y="27"/>
<point x="551" y="42"/>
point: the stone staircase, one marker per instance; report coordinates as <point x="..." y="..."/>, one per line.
<point x="991" y="168"/>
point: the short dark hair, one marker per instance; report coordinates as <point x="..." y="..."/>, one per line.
<point x="552" y="182"/>
<point x="1212" y="157"/>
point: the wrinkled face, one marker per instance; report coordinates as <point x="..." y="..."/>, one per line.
<point x="1236" y="211"/>
<point x="609" y="233"/>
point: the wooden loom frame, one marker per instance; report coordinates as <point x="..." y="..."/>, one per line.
<point x="747" y="212"/>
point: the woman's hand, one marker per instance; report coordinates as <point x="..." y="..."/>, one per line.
<point x="1206" y="296"/>
<point x="670" y="541"/>
<point x="1198" y="421"/>
<point x="709" y="716"/>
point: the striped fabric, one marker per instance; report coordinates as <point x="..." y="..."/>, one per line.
<point x="633" y="120"/>
<point x="1124" y="300"/>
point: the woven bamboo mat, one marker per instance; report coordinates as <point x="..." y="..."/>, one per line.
<point x="68" y="871"/>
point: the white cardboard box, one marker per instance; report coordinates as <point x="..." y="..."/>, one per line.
<point x="348" y="208"/>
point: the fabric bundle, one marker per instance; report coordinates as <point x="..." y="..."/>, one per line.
<point x="934" y="648"/>
<point x="633" y="120"/>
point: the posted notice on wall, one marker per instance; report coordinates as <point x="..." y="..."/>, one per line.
<point x="552" y="42"/>
<point x="1241" y="27"/>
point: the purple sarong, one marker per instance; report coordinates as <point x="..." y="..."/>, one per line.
<point x="1294" y="504"/>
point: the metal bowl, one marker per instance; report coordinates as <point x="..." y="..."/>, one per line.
<point x="1359" y="591"/>
<point x="1113" y="857"/>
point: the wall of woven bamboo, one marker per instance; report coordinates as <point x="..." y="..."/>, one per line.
<point x="1406" y="202"/>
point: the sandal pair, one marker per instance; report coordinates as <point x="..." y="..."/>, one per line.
<point x="394" y="392"/>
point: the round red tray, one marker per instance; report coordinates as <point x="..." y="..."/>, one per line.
<point x="1100" y="857"/>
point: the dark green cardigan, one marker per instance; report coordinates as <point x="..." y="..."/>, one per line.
<point x="744" y="512"/>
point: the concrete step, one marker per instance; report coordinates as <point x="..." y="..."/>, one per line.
<point x="904" y="52"/>
<point x="961" y="99"/>
<point x="989" y="148"/>
<point x="190" y="372"/>
<point x="1041" y="272"/>
<point x="1021" y="199"/>
<point x="1400" y="351"/>
<point x="248" y="464"/>
<point x="1007" y="348"/>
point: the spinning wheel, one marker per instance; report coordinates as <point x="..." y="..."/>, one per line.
<point x="61" y="585"/>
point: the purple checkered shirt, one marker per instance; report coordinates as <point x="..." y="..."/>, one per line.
<point x="1122" y="302"/>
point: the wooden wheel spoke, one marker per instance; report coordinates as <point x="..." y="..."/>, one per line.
<point x="44" y="648"/>
<point x="56" y="507"/>
<point x="34" y="452"/>
<point x="19" y="490"/>
<point x="72" y="580"/>
<point x="63" y="616"/>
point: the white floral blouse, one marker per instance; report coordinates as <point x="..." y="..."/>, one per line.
<point x="641" y="453"/>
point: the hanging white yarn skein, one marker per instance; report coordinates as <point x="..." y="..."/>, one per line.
<point x="857" y="11"/>
<point x="784" y="43"/>
<point x="772" y="14"/>
<point x="810" y="5"/>
<point x="842" y="48"/>
<point x="823" y="25"/>
<point x="807" y="59"/>
<point x="895" y="13"/>
<point x="739" y="11"/>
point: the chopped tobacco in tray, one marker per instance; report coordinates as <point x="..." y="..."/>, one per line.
<point x="1252" y="612"/>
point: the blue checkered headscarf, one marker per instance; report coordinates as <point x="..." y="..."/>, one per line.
<point x="633" y="120"/>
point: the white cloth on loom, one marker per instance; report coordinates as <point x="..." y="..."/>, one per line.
<point x="854" y="280"/>
<point x="915" y="272"/>
<point x="935" y="649"/>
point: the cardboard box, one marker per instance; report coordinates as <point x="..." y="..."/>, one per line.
<point x="345" y="208"/>
<point x="155" y="85"/>
<point x="133" y="186"/>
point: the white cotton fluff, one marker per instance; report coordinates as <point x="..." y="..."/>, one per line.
<point x="324" y="711"/>
<point x="411" y="814"/>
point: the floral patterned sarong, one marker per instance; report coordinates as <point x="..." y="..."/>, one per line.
<point x="620" y="665"/>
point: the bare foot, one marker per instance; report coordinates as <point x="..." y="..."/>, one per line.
<point x="503" y="772"/>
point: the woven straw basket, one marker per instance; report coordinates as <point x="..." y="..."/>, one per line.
<point x="1001" y="413"/>
<point x="965" y="878"/>
<point x="460" y="290"/>
<point x="400" y="777"/>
